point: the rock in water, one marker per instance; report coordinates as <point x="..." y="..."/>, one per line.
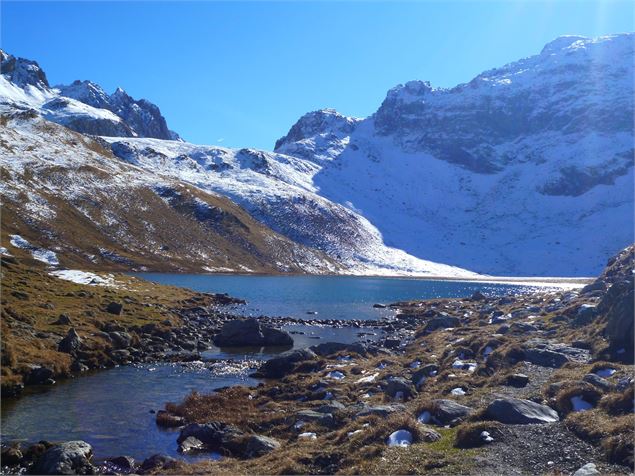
<point x="191" y="444"/>
<point x="329" y="348"/>
<point x="39" y="376"/>
<point x="120" y="465"/>
<point x="249" y="332"/>
<point x="154" y="462"/>
<point x="520" y="412"/>
<point x="213" y="436"/>
<point x="72" y="457"/>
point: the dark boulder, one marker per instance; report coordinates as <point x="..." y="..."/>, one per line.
<point x="598" y="382"/>
<point x="119" y="465"/>
<point x="62" y="320"/>
<point x="545" y="357"/>
<point x="11" y="456"/>
<point x="329" y="348"/>
<point x="442" y="322"/>
<point x="258" y="445"/>
<point x="251" y="333"/>
<point x="285" y="363"/>
<point x="380" y="410"/>
<point x="115" y="308"/>
<point x="39" y="376"/>
<point x="478" y="296"/>
<point x="169" y="420"/>
<point x="517" y="380"/>
<point x="515" y="411"/>
<point x="420" y="376"/>
<point x="156" y="463"/>
<point x="399" y="387"/>
<point x="446" y="411"/>
<point x="71" y="343"/>
<point x="585" y="315"/>
<point x="617" y="305"/>
<point x="324" y="419"/>
<point x="120" y="340"/>
<point x="215" y="436"/>
<point x="72" y="457"/>
<point x="594" y="287"/>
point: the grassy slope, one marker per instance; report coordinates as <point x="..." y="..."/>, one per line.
<point x="64" y="190"/>
<point x="32" y="300"/>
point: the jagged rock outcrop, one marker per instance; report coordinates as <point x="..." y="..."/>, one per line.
<point x="22" y="72"/>
<point x="83" y="106"/>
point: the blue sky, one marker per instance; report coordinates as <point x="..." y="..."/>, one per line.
<point x="240" y="74"/>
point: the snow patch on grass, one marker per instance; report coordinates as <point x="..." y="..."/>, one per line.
<point x="83" y="277"/>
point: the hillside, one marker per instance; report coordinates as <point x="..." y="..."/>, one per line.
<point x="64" y="192"/>
<point x="512" y="173"/>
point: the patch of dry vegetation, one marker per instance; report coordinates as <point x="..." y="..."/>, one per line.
<point x="32" y="301"/>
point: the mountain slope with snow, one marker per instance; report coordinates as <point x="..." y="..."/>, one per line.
<point x="278" y="191"/>
<point x="299" y="230"/>
<point x="525" y="170"/>
<point x="73" y="201"/>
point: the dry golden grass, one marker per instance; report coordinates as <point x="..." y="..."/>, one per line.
<point x="32" y="299"/>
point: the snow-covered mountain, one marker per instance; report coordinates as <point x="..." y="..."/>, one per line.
<point x="525" y="170"/>
<point x="82" y="106"/>
<point x="275" y="189"/>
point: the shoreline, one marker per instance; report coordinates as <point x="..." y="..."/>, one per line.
<point x="538" y="281"/>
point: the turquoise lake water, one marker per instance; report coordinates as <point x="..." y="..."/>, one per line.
<point x="332" y="297"/>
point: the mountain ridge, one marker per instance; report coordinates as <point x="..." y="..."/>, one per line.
<point x="511" y="173"/>
<point x="130" y="117"/>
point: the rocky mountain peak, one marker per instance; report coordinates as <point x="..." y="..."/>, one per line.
<point x="22" y="72"/>
<point x="323" y="121"/>
<point x="121" y="96"/>
<point x="560" y="43"/>
<point x="117" y="113"/>
<point x="86" y="92"/>
<point x="409" y="92"/>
